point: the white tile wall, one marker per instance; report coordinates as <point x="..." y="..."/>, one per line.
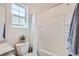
<point x="53" y="29"/>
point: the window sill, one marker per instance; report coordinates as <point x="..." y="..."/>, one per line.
<point x="19" y="26"/>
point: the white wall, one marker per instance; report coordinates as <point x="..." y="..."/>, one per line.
<point x="51" y="29"/>
<point x="2" y="15"/>
<point x="2" y="18"/>
<point x="13" y="34"/>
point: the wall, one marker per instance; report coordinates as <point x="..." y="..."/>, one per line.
<point x="13" y="34"/>
<point x="52" y="29"/>
<point x="2" y="18"/>
<point x="2" y="15"/>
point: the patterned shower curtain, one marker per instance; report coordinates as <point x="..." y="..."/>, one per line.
<point x="73" y="39"/>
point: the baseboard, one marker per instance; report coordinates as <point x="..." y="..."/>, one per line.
<point x="43" y="52"/>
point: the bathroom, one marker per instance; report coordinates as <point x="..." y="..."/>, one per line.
<point x="42" y="26"/>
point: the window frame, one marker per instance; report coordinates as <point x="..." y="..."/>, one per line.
<point x="26" y="16"/>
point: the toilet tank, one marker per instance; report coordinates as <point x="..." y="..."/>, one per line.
<point x="22" y="48"/>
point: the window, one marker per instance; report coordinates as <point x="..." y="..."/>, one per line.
<point x="19" y="16"/>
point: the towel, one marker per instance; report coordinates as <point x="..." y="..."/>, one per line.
<point x="4" y="32"/>
<point x="1" y="31"/>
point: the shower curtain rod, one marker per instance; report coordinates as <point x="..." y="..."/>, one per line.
<point x="55" y="5"/>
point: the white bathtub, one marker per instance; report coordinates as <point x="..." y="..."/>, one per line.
<point x="42" y="52"/>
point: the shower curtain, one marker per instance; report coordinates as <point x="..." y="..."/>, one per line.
<point x="73" y="39"/>
<point x="77" y="31"/>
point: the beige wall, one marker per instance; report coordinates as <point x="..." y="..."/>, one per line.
<point x="13" y="34"/>
<point x="51" y="29"/>
<point x="2" y="15"/>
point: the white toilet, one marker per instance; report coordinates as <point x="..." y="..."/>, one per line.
<point x="22" y="49"/>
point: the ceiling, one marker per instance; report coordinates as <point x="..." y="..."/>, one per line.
<point x="41" y="6"/>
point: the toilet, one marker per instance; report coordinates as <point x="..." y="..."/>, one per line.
<point x="22" y="49"/>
